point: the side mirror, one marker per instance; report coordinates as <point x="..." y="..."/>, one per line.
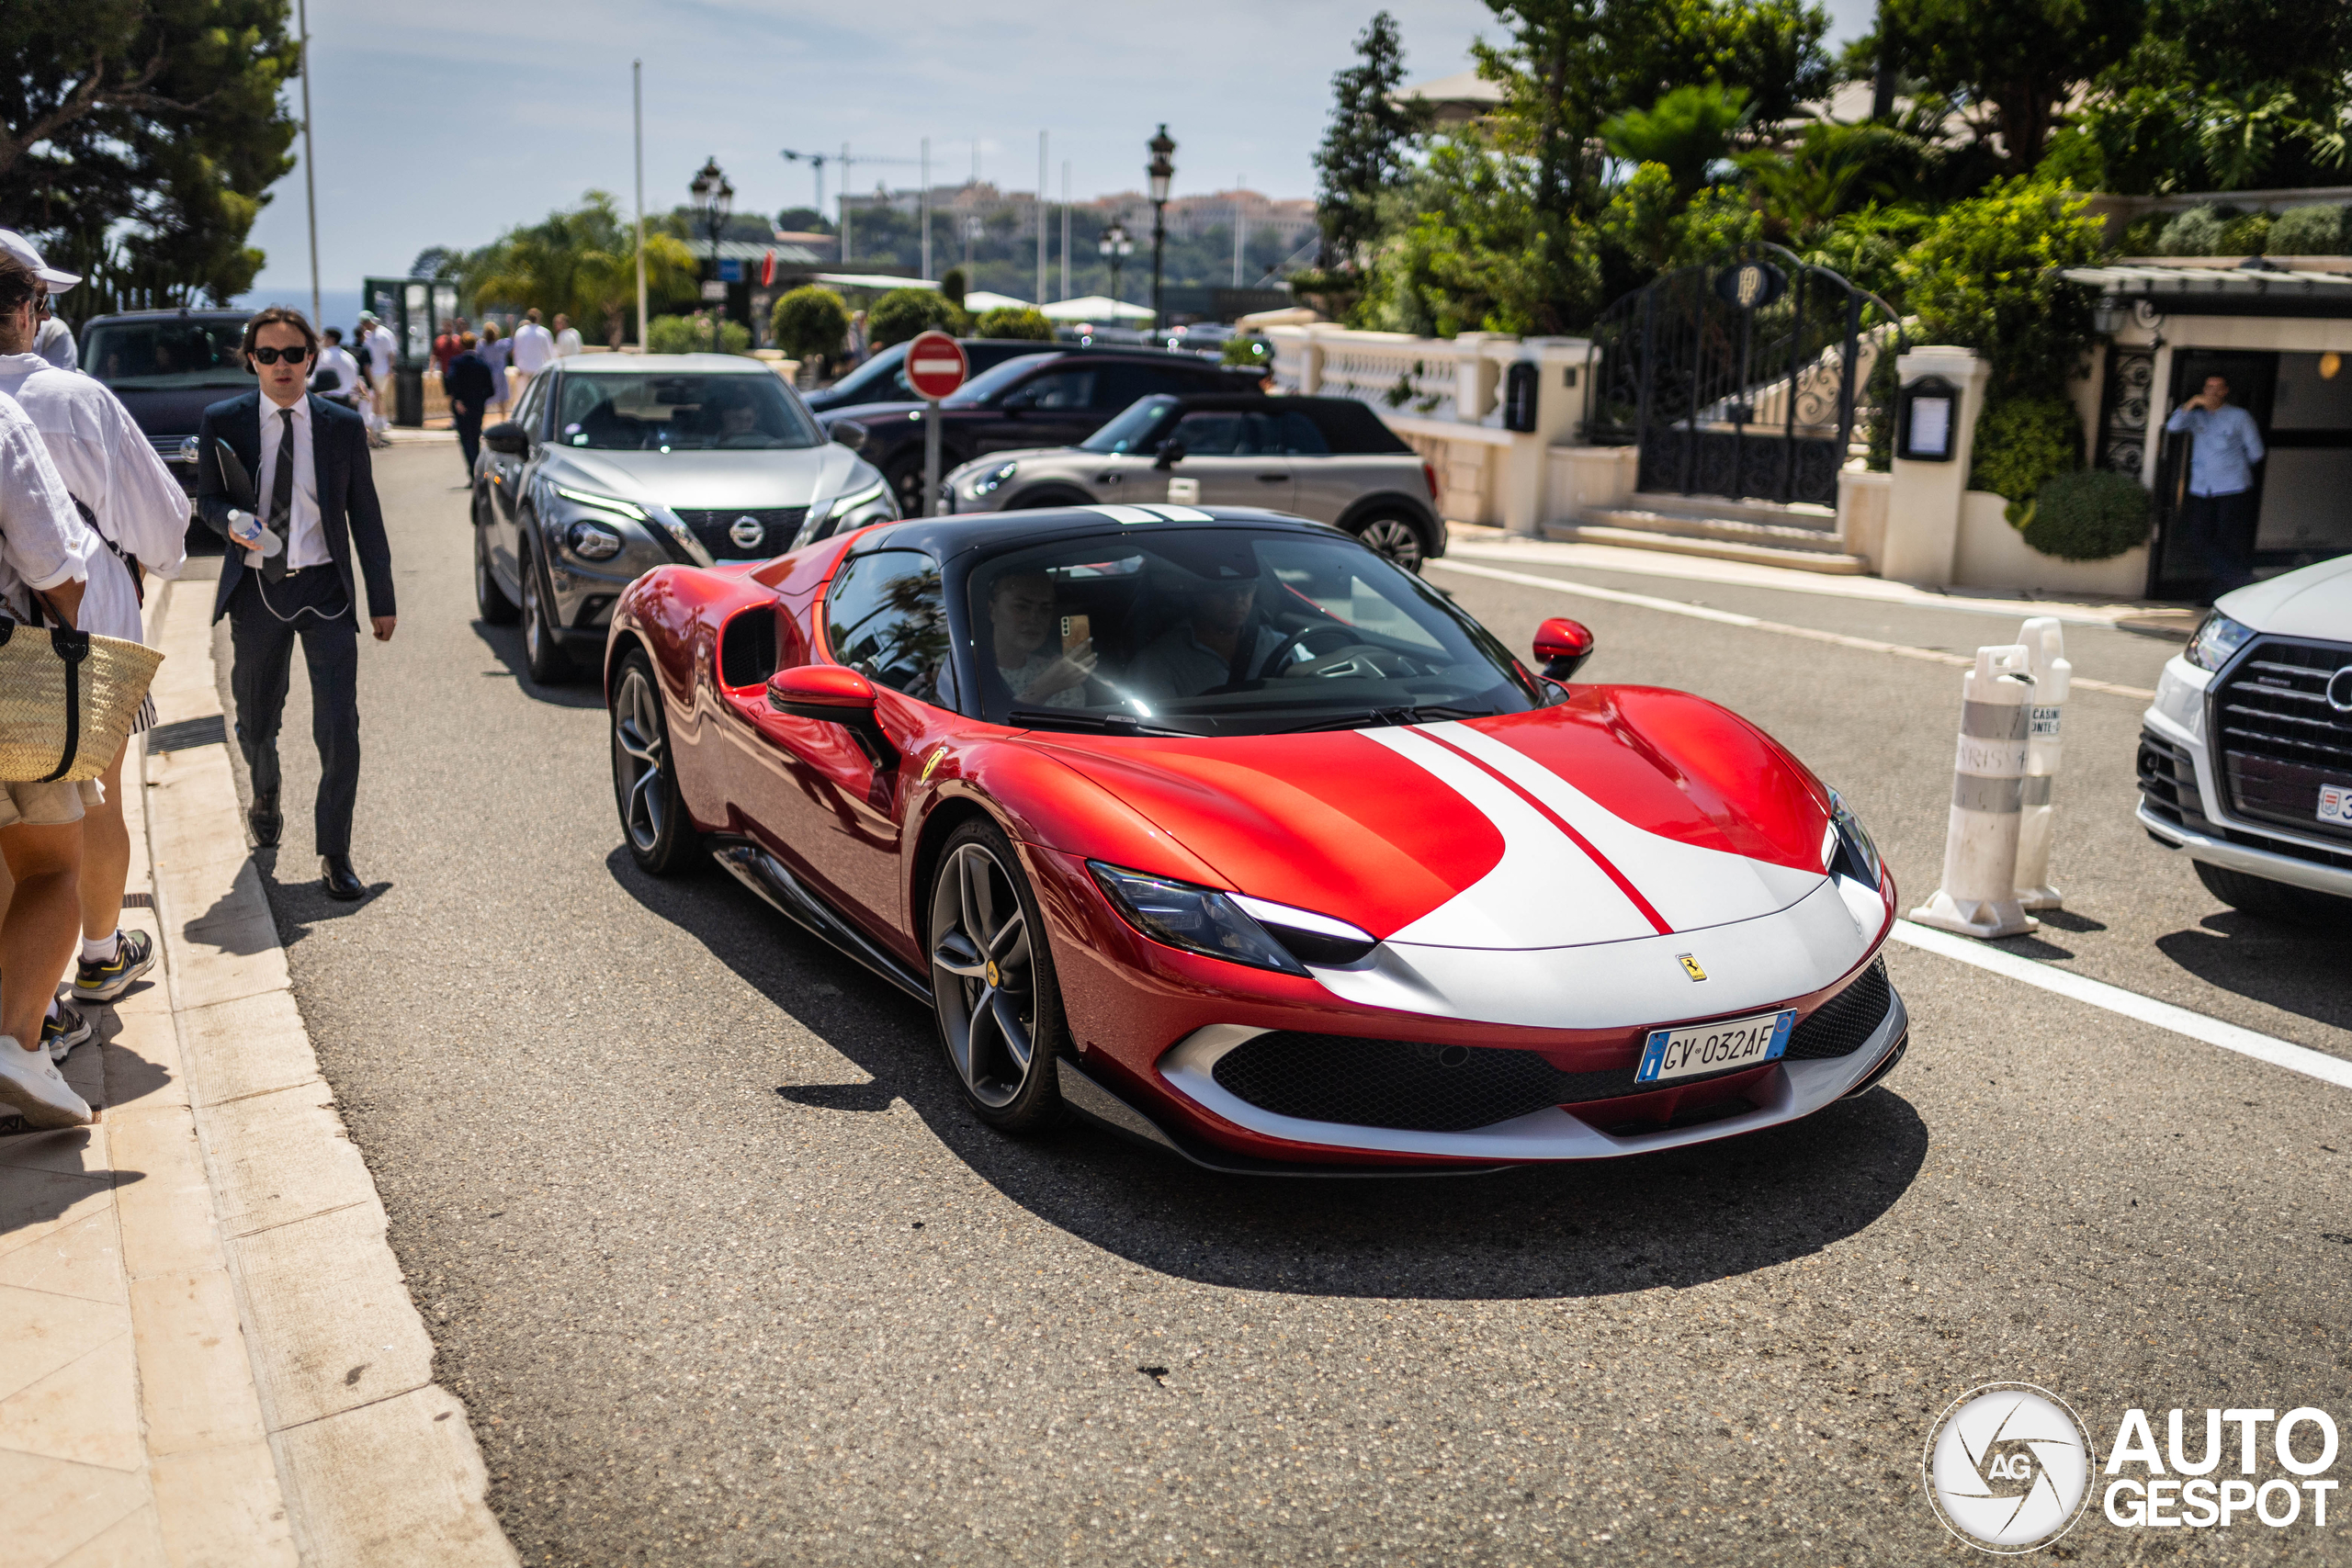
<point x="836" y="693"/>
<point x="1562" y="645"/>
<point x="508" y="439"/>
<point x="849" y="434"/>
<point x="1170" y="454"/>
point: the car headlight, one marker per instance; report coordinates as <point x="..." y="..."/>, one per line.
<point x="1847" y="849"/>
<point x="1228" y="925"/>
<point x="189" y="447"/>
<point x="987" y="483"/>
<point x="602" y="503"/>
<point x="871" y="504"/>
<point x="592" y="541"/>
<point x="2216" y="639"/>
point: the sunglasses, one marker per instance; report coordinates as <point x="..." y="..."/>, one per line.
<point x="294" y="356"/>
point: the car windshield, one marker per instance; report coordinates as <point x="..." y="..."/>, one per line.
<point x="173" y="352"/>
<point x="661" y="411"/>
<point x="1131" y="430"/>
<point x="990" y="385"/>
<point x="1224" y="631"/>
<point x="881" y="380"/>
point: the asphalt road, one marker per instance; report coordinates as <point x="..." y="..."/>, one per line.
<point x="726" y="1275"/>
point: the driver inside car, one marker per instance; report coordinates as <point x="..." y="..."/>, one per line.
<point x="1220" y="641"/>
<point x="1040" y="673"/>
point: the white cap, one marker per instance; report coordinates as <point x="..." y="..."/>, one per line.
<point x="20" y="249"/>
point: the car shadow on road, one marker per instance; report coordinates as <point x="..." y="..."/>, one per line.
<point x="1677" y="1219"/>
<point x="2298" y="969"/>
<point x="506" y="644"/>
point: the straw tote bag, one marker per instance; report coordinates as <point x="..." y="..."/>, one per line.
<point x="67" y="700"/>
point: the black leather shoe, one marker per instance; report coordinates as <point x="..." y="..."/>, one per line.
<point x="339" y="880"/>
<point x="265" y="821"/>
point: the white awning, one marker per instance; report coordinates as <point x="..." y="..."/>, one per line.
<point x="980" y="299"/>
<point x="875" y="280"/>
<point x="1095" y="308"/>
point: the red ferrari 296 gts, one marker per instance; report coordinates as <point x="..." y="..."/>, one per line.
<point x="1218" y="829"/>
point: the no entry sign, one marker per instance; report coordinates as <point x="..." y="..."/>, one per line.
<point x="935" y="365"/>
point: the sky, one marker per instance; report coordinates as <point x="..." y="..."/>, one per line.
<point x="448" y="121"/>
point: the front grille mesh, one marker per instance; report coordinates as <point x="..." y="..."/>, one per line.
<point x="714" y="529"/>
<point x="2279" y="739"/>
<point x="1420" y="1087"/>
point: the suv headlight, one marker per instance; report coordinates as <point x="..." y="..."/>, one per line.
<point x="1847" y="849"/>
<point x="592" y="541"/>
<point x="989" y="482"/>
<point x="628" y="509"/>
<point x="2216" y="639"/>
<point x="859" y="507"/>
<point x="1228" y="925"/>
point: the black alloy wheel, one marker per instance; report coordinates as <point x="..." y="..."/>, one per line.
<point x="2267" y="900"/>
<point x="993" y="982"/>
<point x="654" y="818"/>
<point x="1394" y="535"/>
<point x="543" y="655"/>
<point x="490" y="599"/>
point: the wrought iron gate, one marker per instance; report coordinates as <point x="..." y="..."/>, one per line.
<point x="1739" y="377"/>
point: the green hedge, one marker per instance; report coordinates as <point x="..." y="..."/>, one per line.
<point x="2021" y="444"/>
<point x="2094" y="514"/>
<point x="2317" y="230"/>
<point x="691" y="335"/>
<point x="905" y="313"/>
<point x="1015" y="322"/>
<point x="810" y="324"/>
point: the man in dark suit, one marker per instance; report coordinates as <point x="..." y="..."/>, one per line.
<point x="290" y="573"/>
<point x="469" y="385"/>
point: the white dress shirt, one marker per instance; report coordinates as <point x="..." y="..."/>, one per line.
<point x="381" y="351"/>
<point x="336" y="360"/>
<point x="566" y="342"/>
<point x="534" y="347"/>
<point x="309" y="545"/>
<point x="44" y="543"/>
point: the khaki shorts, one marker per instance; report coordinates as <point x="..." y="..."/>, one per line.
<point x="48" y="804"/>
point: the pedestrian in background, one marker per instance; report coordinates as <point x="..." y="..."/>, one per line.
<point x="383" y="356"/>
<point x="566" y="337"/>
<point x="2223" y="447"/>
<point x="45" y="555"/>
<point x="533" y="348"/>
<point x="120" y="489"/>
<point x="493" y="352"/>
<point x="857" y="349"/>
<point x="337" y="376"/>
<point x="55" y="343"/>
<point x="470" y="388"/>
<point x="293" y="574"/>
<point x="445" y="347"/>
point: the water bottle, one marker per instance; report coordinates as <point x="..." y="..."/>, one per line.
<point x="247" y="529"/>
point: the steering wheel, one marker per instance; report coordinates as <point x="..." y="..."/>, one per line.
<point x="1314" y="643"/>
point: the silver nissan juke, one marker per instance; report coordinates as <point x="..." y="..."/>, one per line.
<point x="616" y="464"/>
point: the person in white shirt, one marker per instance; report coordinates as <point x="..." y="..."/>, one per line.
<point x="533" y="350"/>
<point x="384" y="353"/>
<point x="54" y="343"/>
<point x="567" y="338"/>
<point x="337" y="376"/>
<point x="46" y="552"/>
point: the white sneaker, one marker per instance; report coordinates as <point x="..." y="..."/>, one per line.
<point x="31" y="1086"/>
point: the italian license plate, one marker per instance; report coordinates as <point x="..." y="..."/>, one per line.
<point x="1686" y="1053"/>
<point x="2335" y="803"/>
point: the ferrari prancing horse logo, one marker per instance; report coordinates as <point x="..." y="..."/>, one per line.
<point x="1690" y="967"/>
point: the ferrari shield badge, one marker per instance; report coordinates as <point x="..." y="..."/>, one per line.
<point x="1690" y="967"/>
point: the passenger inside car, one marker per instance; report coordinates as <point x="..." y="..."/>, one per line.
<point x="1027" y="638"/>
<point x="1221" y="640"/>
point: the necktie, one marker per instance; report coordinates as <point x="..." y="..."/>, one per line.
<point x="281" y="498"/>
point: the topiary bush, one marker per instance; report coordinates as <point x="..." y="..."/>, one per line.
<point x="2143" y="234"/>
<point x="2093" y="515"/>
<point x="2313" y="231"/>
<point x="902" y="313"/>
<point x="2196" y="232"/>
<point x="1015" y="322"/>
<point x="1249" y="350"/>
<point x="2246" y="236"/>
<point x="691" y="335"/>
<point x="810" y="324"/>
<point x="2021" y="444"/>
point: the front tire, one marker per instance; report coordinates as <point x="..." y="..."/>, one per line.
<point x="906" y="483"/>
<point x="992" y="984"/>
<point x="2269" y="900"/>
<point x="543" y="655"/>
<point x="654" y="824"/>
<point x="490" y="599"/>
<point x="1394" y="535"/>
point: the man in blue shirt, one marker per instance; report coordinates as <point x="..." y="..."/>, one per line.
<point x="2223" y="447"/>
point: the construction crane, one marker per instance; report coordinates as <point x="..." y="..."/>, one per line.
<point x="817" y="161"/>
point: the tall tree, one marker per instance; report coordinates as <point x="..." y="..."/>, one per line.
<point x="1365" y="148"/>
<point x="581" y="262"/>
<point x="138" y="138"/>
<point x="2024" y="58"/>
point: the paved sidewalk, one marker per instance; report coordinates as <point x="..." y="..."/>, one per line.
<point x="211" y="1357"/>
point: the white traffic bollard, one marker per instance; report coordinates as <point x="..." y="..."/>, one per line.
<point x="2045" y="646"/>
<point x="1979" y="893"/>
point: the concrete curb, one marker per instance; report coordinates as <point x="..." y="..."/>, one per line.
<point x="373" y="1461"/>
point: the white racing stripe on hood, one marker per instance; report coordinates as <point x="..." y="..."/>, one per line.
<point x="1545" y="891"/>
<point x="1690" y="886"/>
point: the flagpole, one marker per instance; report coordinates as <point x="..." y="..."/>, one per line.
<point x="637" y="91"/>
<point x="310" y="158"/>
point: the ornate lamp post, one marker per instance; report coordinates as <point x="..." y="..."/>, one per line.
<point x="714" y="201"/>
<point x="1116" y="246"/>
<point x="1163" y="148"/>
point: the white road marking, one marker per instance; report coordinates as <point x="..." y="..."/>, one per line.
<point x="2131" y="1004"/>
<point x="1753" y="622"/>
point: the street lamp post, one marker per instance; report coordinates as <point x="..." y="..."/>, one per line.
<point x="714" y="201"/>
<point x="1116" y="247"/>
<point x="1162" y="171"/>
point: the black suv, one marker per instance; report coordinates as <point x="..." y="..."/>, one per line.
<point x="168" y="367"/>
<point x="1053" y="398"/>
<point x="883" y="378"/>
